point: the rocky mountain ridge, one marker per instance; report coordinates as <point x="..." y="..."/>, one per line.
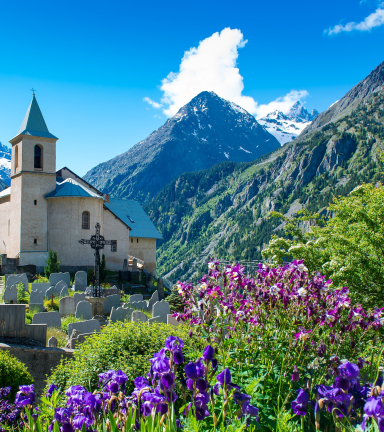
<point x="206" y="131"/>
<point x="5" y="164"/>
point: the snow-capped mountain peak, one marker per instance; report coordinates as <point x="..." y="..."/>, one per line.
<point x="285" y="127"/>
<point x="5" y="163"/>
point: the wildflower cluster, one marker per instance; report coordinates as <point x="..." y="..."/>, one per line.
<point x="9" y="413"/>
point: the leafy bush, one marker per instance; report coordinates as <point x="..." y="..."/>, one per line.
<point x="127" y="347"/>
<point x="22" y="296"/>
<point x="52" y="306"/>
<point x="13" y="372"/>
<point x="53" y="265"/>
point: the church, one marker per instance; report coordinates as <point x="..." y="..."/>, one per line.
<point x="45" y="209"/>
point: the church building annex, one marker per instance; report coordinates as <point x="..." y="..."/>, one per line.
<point x="45" y="209"/>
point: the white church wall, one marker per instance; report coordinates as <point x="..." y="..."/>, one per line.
<point x="38" y="258"/>
<point x="65" y="229"/>
<point x="27" y="152"/>
<point x="5" y="214"/>
<point x="144" y="249"/>
<point x="15" y="213"/>
<point x="114" y="229"/>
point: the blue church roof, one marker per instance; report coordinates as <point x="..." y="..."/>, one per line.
<point x="34" y="123"/>
<point x="132" y="214"/>
<point x="70" y="188"/>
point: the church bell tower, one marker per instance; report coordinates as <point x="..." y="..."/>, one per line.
<point x="33" y="175"/>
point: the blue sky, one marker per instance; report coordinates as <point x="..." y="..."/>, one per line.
<point x="93" y="63"/>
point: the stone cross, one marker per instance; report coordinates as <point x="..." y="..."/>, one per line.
<point x="97" y="242"/>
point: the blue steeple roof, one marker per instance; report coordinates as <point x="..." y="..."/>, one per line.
<point x="70" y="188"/>
<point x="34" y="123"/>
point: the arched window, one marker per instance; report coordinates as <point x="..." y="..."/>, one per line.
<point x="38" y="157"/>
<point x="85" y="220"/>
<point x="16" y="158"/>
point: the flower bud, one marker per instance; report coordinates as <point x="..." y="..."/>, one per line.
<point x="295" y="374"/>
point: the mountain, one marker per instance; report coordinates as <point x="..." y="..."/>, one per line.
<point x="285" y="127"/>
<point x="364" y="90"/>
<point x="204" y="132"/>
<point x="5" y="164"/>
<point x="222" y="212"/>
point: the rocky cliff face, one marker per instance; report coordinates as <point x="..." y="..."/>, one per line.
<point x="374" y="82"/>
<point x="5" y="164"/>
<point x="206" y="131"/>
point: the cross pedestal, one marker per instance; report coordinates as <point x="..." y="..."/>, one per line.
<point x="97" y="304"/>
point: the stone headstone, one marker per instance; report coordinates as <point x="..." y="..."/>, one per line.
<point x="89" y="326"/>
<point x="64" y="292"/>
<point x="36" y="297"/>
<point x="153" y="300"/>
<point x="42" y="287"/>
<point x="134" y="264"/>
<point x="161" y="309"/>
<point x="102" y="320"/>
<point x="10" y="294"/>
<point x="155" y="319"/>
<point x="171" y="320"/>
<point x="52" y="342"/>
<point x="80" y="281"/>
<point x="112" y="291"/>
<point x="16" y="278"/>
<point x="84" y="310"/>
<point x="50" y="291"/>
<point x="54" y="278"/>
<point x="160" y="289"/>
<point x="125" y="265"/>
<point x="36" y="307"/>
<point x="79" y="339"/>
<point x="139" y="316"/>
<point x="136" y="298"/>
<point x="60" y="285"/>
<point x="52" y="319"/>
<point x="67" y="306"/>
<point x="120" y="314"/>
<point x="78" y="297"/>
<point x="110" y="302"/>
<point x="140" y="305"/>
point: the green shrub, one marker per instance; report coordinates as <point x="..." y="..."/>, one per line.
<point x="22" y="296"/>
<point x="13" y="373"/>
<point x="126" y="346"/>
<point x="53" y="265"/>
<point x="175" y="301"/>
<point x="49" y="306"/>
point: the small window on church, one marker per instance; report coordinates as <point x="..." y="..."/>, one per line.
<point x="35" y="241"/>
<point x="38" y="157"/>
<point x="114" y="246"/>
<point x="85" y="220"/>
<point x="131" y="240"/>
<point x="16" y="158"/>
<point x="35" y="202"/>
<point x="137" y="240"/>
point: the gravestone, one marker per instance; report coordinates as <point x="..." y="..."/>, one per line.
<point x="36" y="297"/>
<point x="79" y="339"/>
<point x="111" y="291"/>
<point x="140" y="305"/>
<point x="160" y="289"/>
<point x="50" y="291"/>
<point x="16" y="278"/>
<point x="110" y="302"/>
<point x="153" y="300"/>
<point x="171" y="320"/>
<point x="120" y="314"/>
<point x="10" y="295"/>
<point x="84" y="326"/>
<point x="80" y="281"/>
<point x="161" y="309"/>
<point x="136" y="298"/>
<point x="60" y="285"/>
<point x="84" y="310"/>
<point x="67" y="306"/>
<point x="134" y="264"/>
<point x="155" y="319"/>
<point x="79" y="297"/>
<point x="52" y="342"/>
<point x="64" y="292"/>
<point x="36" y="307"/>
<point x="125" y="265"/>
<point x="52" y="319"/>
<point x="54" y="278"/>
<point x="42" y="287"/>
<point x="139" y="316"/>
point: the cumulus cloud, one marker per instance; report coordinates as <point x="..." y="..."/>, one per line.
<point x="212" y="66"/>
<point x="152" y="103"/>
<point x="375" y="19"/>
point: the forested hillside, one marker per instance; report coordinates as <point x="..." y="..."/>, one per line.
<point x="222" y="212"/>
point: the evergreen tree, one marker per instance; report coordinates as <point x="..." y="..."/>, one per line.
<point x="53" y="265"/>
<point x="103" y="268"/>
<point x="175" y="301"/>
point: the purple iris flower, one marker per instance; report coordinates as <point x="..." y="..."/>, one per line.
<point x="201" y="412"/>
<point x="349" y="370"/>
<point x="25" y="396"/>
<point x="168" y="380"/>
<point x="66" y="427"/>
<point x="295" y="374"/>
<point x="201" y="384"/>
<point x="342" y="383"/>
<point x="208" y="353"/>
<point x="174" y="343"/>
<point x="374" y="407"/>
<point x="160" y="362"/>
<point x="194" y="370"/>
<point x="63" y="415"/>
<point x="224" y="379"/>
<point x="214" y="364"/>
<point x="299" y="405"/>
<point x="51" y="389"/>
<point x="162" y="408"/>
<point x="80" y="419"/>
<point x="251" y="410"/>
<point x="103" y="377"/>
<point x="140" y="383"/>
<point x="120" y="377"/>
<point x="178" y="357"/>
<point x="73" y="390"/>
<point x="113" y="387"/>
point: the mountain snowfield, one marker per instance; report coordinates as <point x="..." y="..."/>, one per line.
<point x="5" y="164"/>
<point x="285" y="127"/>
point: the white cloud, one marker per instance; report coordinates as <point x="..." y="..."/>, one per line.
<point x="212" y="66"/>
<point x="152" y="103"/>
<point x="373" y="20"/>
